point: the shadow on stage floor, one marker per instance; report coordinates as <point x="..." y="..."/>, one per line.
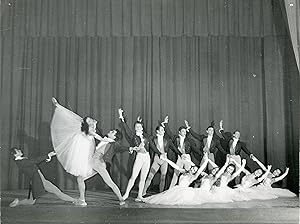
<point x="103" y="207"/>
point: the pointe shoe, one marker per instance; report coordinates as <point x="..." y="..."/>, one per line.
<point x="139" y="199"/>
<point x="14" y="203"/>
<point x="121" y="203"/>
<point x="80" y="202"/>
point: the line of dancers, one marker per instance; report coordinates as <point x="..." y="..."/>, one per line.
<point x="73" y="139"/>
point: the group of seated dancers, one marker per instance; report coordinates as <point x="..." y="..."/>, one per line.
<point x="74" y="142"/>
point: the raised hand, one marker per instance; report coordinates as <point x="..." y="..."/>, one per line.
<point x="188" y="127"/>
<point x="54" y="101"/>
<point x="51" y="153"/>
<point x="120" y="111"/>
<point x="139" y="119"/>
<point x="243" y="162"/>
<point x="131" y="149"/>
<point x="166" y="120"/>
<point x="221" y="125"/>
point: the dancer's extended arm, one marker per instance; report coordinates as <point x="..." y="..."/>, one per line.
<point x="259" y="163"/>
<point x="276" y="179"/>
<point x="222" y="170"/>
<point x="202" y="167"/>
<point x="127" y="130"/>
<point x="264" y="175"/>
<point x="172" y="164"/>
<point x="238" y="165"/>
<point x="239" y="170"/>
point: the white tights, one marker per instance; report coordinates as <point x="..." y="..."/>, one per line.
<point x="142" y="163"/>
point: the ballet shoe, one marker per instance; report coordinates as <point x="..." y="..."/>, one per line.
<point x="80" y="202"/>
<point x="139" y="199"/>
<point x="121" y="203"/>
<point x="14" y="203"/>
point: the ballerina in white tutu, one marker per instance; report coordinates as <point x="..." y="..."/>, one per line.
<point x="221" y="188"/>
<point x="277" y="175"/>
<point x="252" y="179"/>
<point x="74" y="144"/>
<point x="180" y="194"/>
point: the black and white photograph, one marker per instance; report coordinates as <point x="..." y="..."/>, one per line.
<point x="149" y="111"/>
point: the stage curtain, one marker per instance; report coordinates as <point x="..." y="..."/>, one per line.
<point x="242" y="72"/>
<point x="239" y="80"/>
<point x="291" y="10"/>
<point x="69" y="18"/>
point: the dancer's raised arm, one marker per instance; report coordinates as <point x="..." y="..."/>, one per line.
<point x="239" y="170"/>
<point x="127" y="130"/>
<point x="172" y="164"/>
<point x="222" y="170"/>
<point x="165" y="124"/>
<point x="276" y="179"/>
<point x="264" y="175"/>
<point x="238" y="165"/>
<point x="213" y="164"/>
<point x="259" y="163"/>
<point x="194" y="134"/>
<point x="203" y="166"/>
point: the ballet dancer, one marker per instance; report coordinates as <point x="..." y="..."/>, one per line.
<point x="265" y="186"/>
<point x="180" y="194"/>
<point x="163" y="145"/>
<point x="142" y="142"/>
<point x="184" y="147"/>
<point x="73" y="140"/>
<point x="38" y="184"/>
<point x="210" y="142"/>
<point x="103" y="155"/>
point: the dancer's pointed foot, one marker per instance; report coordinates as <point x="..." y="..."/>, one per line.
<point x="122" y="202"/>
<point x="80" y="202"/>
<point x="139" y="199"/>
<point x="14" y="203"/>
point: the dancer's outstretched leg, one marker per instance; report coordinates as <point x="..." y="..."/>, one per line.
<point x="144" y="172"/>
<point x="107" y="179"/>
<point x="163" y="174"/>
<point x="153" y="170"/>
<point x="135" y="172"/>
<point x="176" y="172"/>
<point x="17" y="202"/>
<point x="51" y="188"/>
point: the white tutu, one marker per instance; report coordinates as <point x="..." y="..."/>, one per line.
<point x="275" y="192"/>
<point x="255" y="193"/>
<point x="177" y="195"/>
<point x="74" y="149"/>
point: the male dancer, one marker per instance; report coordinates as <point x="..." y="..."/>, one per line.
<point x="235" y="146"/>
<point x="210" y="143"/>
<point x="142" y="142"/>
<point x="38" y="184"/>
<point x="163" y="145"/>
<point x="103" y="155"/>
<point x="183" y="147"/>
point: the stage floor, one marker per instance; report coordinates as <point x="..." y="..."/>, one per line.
<point x="103" y="207"/>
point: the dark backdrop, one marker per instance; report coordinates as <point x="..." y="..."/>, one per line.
<point x="199" y="60"/>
